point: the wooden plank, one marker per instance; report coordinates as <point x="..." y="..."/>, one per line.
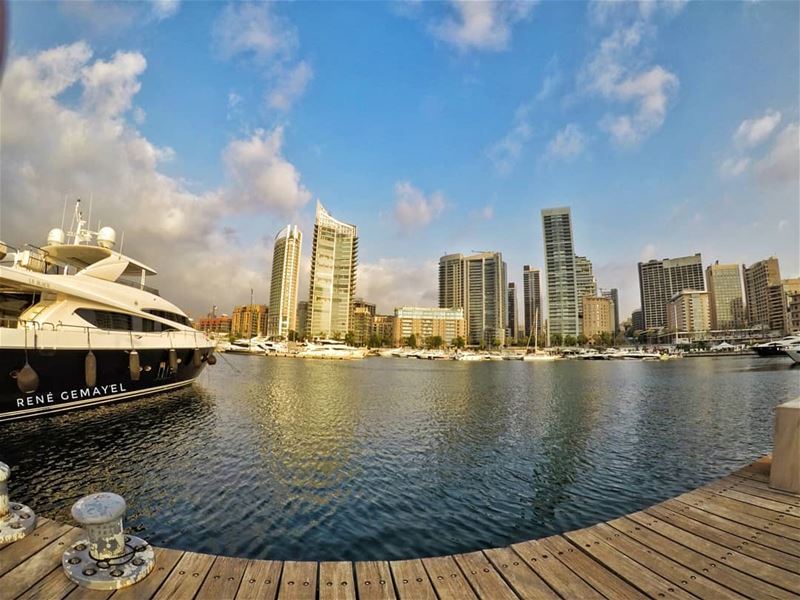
<point x="17" y="552"/>
<point x="675" y="572"/>
<point x="35" y="568"/>
<point x="40" y="521"/>
<point x="644" y="579"/>
<point x="558" y="576"/>
<point x="298" y="581"/>
<point x="757" y="488"/>
<point x="447" y="578"/>
<point x="732" y="558"/>
<point x="53" y="586"/>
<point x="336" y="581"/>
<point x="751" y="534"/>
<point x="223" y="579"/>
<point x="166" y="559"/>
<point x="753" y="476"/>
<point x="186" y="577"/>
<point x="82" y="593"/>
<point x="741" y="513"/>
<point x="789" y="516"/>
<point x="603" y="580"/>
<point x="260" y="580"/>
<point x="525" y="582"/>
<point x="483" y="577"/>
<point x="697" y="562"/>
<point x="728" y="540"/>
<point x="374" y="580"/>
<point x="411" y="581"/>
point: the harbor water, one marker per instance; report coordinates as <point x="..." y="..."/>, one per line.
<point x="393" y="458"/>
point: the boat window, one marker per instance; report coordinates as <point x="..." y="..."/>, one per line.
<point x="116" y="321"/>
<point x="170" y="316"/>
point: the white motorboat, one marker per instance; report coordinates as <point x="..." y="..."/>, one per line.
<point x="331" y="349"/>
<point x="793" y="351"/>
<point x="80" y="328"/>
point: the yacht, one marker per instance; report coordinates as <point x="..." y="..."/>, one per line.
<point x="793" y="351"/>
<point x="332" y="349"/>
<point x="77" y="330"/>
<point x="777" y="347"/>
<point x="256" y="345"/>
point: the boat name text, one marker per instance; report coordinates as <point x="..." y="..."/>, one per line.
<point x="77" y="394"/>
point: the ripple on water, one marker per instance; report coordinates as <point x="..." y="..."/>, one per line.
<point x="385" y="459"/>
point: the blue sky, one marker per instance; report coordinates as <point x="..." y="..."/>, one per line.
<point x="669" y="128"/>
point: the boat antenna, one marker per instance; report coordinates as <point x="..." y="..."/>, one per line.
<point x="64" y="212"/>
<point x="122" y="242"/>
<point x="91" y="203"/>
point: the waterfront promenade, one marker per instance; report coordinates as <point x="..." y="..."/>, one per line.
<point x="735" y="537"/>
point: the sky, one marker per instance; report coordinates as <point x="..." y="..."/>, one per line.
<point x="200" y="129"/>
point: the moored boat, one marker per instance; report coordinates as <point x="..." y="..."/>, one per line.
<point x="78" y="330"/>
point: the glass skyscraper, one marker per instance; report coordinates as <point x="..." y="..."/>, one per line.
<point x="559" y="260"/>
<point x="285" y="278"/>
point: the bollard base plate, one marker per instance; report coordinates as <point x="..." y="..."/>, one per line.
<point x="111" y="574"/>
<point x="18" y="523"/>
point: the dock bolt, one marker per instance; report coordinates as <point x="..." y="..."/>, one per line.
<point x="16" y="520"/>
<point x="106" y="559"/>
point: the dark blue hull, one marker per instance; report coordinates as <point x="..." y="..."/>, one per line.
<point x="63" y="381"/>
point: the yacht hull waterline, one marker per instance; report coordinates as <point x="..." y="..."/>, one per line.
<point x="62" y="379"/>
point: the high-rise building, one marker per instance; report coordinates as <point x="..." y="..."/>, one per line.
<point x="688" y="312"/>
<point x="598" y="316"/>
<point x="532" y="300"/>
<point x="584" y="278"/>
<point x="302" y="317"/>
<point x="613" y="295"/>
<point x="424" y="323"/>
<point x="214" y="324"/>
<point x="559" y="258"/>
<point x="513" y="324"/>
<point x="363" y="316"/>
<point x="476" y="283"/>
<point x="637" y="320"/>
<point x="660" y="280"/>
<point x="285" y="279"/>
<point x="791" y="288"/>
<point x="334" y="258"/>
<point x="249" y="320"/>
<point x="383" y="327"/>
<point x="725" y="300"/>
<point x="761" y="305"/>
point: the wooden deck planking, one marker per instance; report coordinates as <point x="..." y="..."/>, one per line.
<point x="336" y="581"/>
<point x="374" y="580"/>
<point x="524" y="580"/>
<point x="483" y="577"/>
<point x="260" y="581"/>
<point x="447" y="578"/>
<point x="734" y="537"/>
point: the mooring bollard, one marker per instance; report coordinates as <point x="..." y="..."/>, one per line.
<point x="785" y="470"/>
<point x="16" y="520"/>
<point x="108" y="559"/>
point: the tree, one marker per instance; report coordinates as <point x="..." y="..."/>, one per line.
<point x="374" y="341"/>
<point x="582" y="340"/>
<point x="459" y="342"/>
<point x="556" y="339"/>
<point x="412" y="341"/>
<point x="435" y="341"/>
<point x="569" y="340"/>
<point x="350" y="338"/>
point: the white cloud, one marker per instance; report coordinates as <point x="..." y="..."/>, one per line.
<point x="505" y="153"/>
<point x="109" y="87"/>
<point x="263" y="177"/>
<point x="290" y="86"/>
<point x="481" y="25"/>
<point x="567" y="143"/>
<point x="616" y="73"/>
<point x="733" y="167"/>
<point x="253" y="30"/>
<point x="414" y="210"/>
<point x="51" y="149"/>
<point x="393" y="282"/>
<point x="164" y="9"/>
<point x="752" y="132"/>
<point x="781" y="165"/>
<point x="647" y="253"/>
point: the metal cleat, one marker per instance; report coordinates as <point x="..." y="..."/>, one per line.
<point x="16" y="520"/>
<point x="108" y="559"/>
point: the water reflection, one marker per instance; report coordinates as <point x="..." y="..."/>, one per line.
<point x="392" y="458"/>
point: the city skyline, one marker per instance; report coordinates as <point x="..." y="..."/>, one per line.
<point x="206" y="138"/>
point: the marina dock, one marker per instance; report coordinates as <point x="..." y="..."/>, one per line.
<point x="734" y="537"/>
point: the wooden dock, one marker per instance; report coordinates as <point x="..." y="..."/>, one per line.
<point x="733" y="538"/>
